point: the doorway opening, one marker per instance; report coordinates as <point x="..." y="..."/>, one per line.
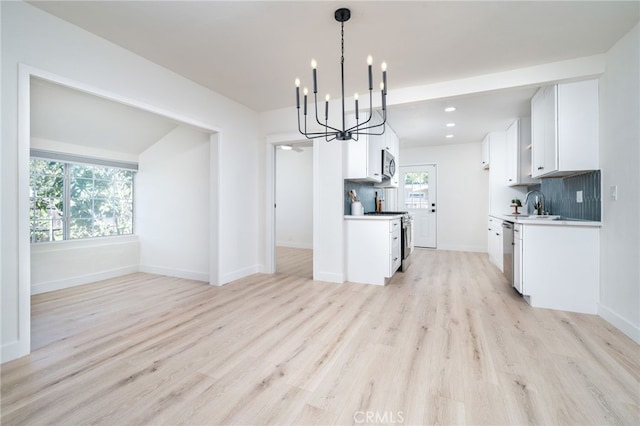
<point x="289" y="209"/>
<point x="418" y="196"/>
<point x="293" y="209"/>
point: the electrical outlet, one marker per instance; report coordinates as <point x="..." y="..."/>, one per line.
<point x="578" y="196"/>
<point x="613" y="190"/>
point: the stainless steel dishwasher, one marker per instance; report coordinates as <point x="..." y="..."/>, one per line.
<point x="507" y="250"/>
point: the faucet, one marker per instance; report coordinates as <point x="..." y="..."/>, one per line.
<point x="539" y="205"/>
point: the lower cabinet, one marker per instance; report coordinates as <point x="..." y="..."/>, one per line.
<point x="560" y="267"/>
<point x="494" y="242"/>
<point x="373" y="249"/>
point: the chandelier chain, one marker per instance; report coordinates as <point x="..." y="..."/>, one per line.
<point x="342" y="42"/>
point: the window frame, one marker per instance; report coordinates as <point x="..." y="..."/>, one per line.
<point x="68" y="161"/>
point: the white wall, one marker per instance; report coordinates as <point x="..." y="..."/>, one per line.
<point x="33" y="37"/>
<point x="294" y="198"/>
<point x="620" y="164"/>
<point x="462" y="193"/>
<point x="172" y="205"/>
<point x="63" y="264"/>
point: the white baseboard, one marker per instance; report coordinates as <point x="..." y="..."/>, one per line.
<point x="293" y="244"/>
<point x="81" y="280"/>
<point x="13" y="350"/>
<point x="240" y="273"/>
<point x="178" y="273"/>
<point x="622" y="324"/>
<point x="473" y="249"/>
<point x="331" y="277"/>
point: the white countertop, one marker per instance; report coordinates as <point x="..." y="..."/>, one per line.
<point x="541" y="220"/>
<point x="372" y="217"/>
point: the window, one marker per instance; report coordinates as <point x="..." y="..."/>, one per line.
<point x="71" y="201"/>
<point x="416" y="190"/>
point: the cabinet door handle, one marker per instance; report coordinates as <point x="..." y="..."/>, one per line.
<point x="540" y="168"/>
<point x="395" y="238"/>
<point x="510" y="180"/>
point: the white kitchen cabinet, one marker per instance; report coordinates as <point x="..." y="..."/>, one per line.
<point x="486" y="152"/>
<point x="364" y="159"/>
<point x="494" y="242"/>
<point x="564" y="129"/>
<point x="500" y="194"/>
<point x="390" y="142"/>
<point x="560" y="267"/>
<point x="518" y="153"/>
<point x="373" y="249"/>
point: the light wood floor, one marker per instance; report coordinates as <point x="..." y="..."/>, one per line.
<point x="294" y="261"/>
<point x="448" y="342"/>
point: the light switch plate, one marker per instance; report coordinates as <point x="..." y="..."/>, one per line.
<point x="578" y="196"/>
<point x="613" y="190"/>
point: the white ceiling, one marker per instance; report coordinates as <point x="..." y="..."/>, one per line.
<point x="251" y="51"/>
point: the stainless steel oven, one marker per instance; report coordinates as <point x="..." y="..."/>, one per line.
<point x="507" y="251"/>
<point x="406" y="241"/>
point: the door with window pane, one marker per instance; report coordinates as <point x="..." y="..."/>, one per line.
<point x="418" y="196"/>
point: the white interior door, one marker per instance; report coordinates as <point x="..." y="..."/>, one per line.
<point x="418" y="195"/>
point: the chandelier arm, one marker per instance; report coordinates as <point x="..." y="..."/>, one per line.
<point x="315" y="99"/>
<point x="366" y="130"/>
<point x="359" y="129"/>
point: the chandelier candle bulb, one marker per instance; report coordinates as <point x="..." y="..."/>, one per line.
<point x="384" y="76"/>
<point x="314" y="64"/>
<point x="297" y="93"/>
<point x="326" y="108"/>
<point x="369" y="62"/>
<point x="355" y="96"/>
<point x="305" y="91"/>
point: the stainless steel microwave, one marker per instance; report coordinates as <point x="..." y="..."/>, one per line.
<point x="388" y="164"/>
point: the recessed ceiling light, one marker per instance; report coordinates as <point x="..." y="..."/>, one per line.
<point x="449" y="136"/>
<point x="451" y="124"/>
<point x="450" y="109"/>
<point x="286" y="147"/>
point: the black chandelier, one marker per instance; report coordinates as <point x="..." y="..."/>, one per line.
<point x="342" y="134"/>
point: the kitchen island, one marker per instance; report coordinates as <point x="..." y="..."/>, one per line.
<point x="372" y="246"/>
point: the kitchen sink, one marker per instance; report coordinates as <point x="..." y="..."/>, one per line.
<point x="545" y="217"/>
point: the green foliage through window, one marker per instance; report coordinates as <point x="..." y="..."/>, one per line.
<point x="71" y="201"/>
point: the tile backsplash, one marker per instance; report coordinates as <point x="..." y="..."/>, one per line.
<point x="560" y="196"/>
<point x="366" y="193"/>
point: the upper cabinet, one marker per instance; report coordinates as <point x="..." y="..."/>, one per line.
<point x="364" y="159"/>
<point x="564" y="129"/>
<point x="485" y="152"/>
<point x="518" y="153"/>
